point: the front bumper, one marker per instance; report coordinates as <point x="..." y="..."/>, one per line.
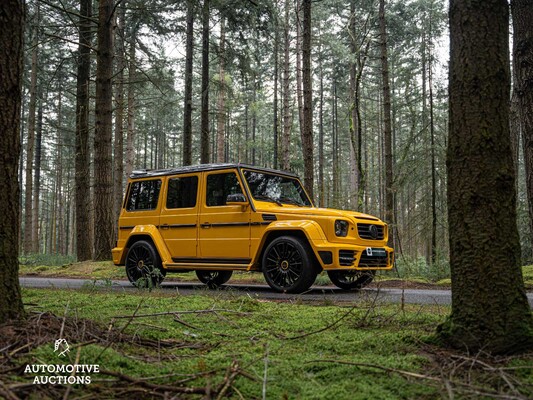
<point x="354" y="257"/>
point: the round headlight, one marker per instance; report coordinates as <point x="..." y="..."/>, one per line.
<point x="341" y="228"/>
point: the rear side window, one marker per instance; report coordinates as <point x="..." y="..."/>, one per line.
<point x="182" y="192"/>
<point x="143" y="195"/>
<point x="219" y="186"/>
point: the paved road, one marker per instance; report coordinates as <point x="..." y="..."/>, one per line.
<point x="316" y="293"/>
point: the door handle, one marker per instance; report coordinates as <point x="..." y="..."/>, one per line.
<point x="164" y="226"/>
<point x="206" y="225"/>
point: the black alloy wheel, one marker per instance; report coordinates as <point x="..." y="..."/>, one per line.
<point x="213" y="279"/>
<point x="351" y="279"/>
<point x="287" y="265"/>
<point x="143" y="265"/>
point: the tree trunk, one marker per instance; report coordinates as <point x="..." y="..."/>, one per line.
<point x="82" y="176"/>
<point x="523" y="67"/>
<point x="11" y="53"/>
<point x="307" y="133"/>
<point x="204" y="138"/>
<point x="130" y="137"/>
<point x="28" y="228"/>
<point x="321" y="202"/>
<point x="490" y="311"/>
<point x="387" y="128"/>
<point x="37" y="179"/>
<point x="286" y="138"/>
<point x="187" y="106"/>
<point x="221" y="117"/>
<point x="103" y="185"/>
<point x="275" y="121"/>
<point x="118" y="148"/>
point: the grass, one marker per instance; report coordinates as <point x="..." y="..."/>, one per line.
<point x="289" y="342"/>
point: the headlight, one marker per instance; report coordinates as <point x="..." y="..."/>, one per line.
<point x="341" y="228"/>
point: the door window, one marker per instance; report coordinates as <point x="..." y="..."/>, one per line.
<point x="219" y="186"/>
<point x="182" y="192"/>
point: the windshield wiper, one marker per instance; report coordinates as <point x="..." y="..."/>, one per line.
<point x="290" y="201"/>
<point x="268" y="198"/>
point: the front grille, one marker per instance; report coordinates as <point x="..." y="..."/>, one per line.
<point x="346" y="257"/>
<point x="370" y="231"/>
<point x="378" y="258"/>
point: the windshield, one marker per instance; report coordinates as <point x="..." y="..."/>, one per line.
<point x="276" y="188"/>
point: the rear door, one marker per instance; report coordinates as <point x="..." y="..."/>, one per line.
<point x="224" y="230"/>
<point x="179" y="216"/>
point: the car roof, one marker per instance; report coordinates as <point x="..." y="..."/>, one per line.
<point x="146" y="173"/>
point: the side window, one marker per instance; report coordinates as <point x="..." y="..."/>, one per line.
<point x="182" y="192"/>
<point x="219" y="186"/>
<point x="143" y="195"/>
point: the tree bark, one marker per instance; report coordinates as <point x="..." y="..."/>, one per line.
<point x="37" y="179"/>
<point x="307" y="133"/>
<point x="286" y="138"/>
<point x="387" y="127"/>
<point x="221" y="117"/>
<point x="118" y="148"/>
<point x="82" y="174"/>
<point x="11" y="53"/>
<point x="275" y="121"/>
<point x="523" y="68"/>
<point x="187" y="106"/>
<point x="103" y="185"/>
<point x="204" y="138"/>
<point x="30" y="143"/>
<point x="490" y="311"/>
<point x="130" y="137"/>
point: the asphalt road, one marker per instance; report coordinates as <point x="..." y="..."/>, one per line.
<point x="316" y="293"/>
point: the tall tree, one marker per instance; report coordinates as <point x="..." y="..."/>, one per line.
<point x="522" y="11"/>
<point x="204" y="124"/>
<point x="489" y="305"/>
<point x="30" y="143"/>
<point x="11" y="51"/>
<point x="287" y="117"/>
<point x="307" y="132"/>
<point x="387" y="126"/>
<point x="221" y="117"/>
<point x="103" y="184"/>
<point x="118" y="148"/>
<point x="37" y="178"/>
<point x="82" y="192"/>
<point x="132" y="76"/>
<point x="187" y="100"/>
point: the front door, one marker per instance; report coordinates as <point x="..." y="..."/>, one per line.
<point x="179" y="216"/>
<point x="224" y="232"/>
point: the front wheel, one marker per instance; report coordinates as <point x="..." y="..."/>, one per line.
<point x="213" y="279"/>
<point x="350" y="280"/>
<point x="287" y="265"/>
<point x="143" y="265"/>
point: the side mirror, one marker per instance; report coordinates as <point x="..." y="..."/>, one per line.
<point x="236" y="199"/>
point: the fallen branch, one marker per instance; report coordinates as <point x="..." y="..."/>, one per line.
<point x="214" y="310"/>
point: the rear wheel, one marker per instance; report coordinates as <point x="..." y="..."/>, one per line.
<point x="143" y="265"/>
<point x="288" y="265"/>
<point x="213" y="279"/>
<point x="350" y="280"/>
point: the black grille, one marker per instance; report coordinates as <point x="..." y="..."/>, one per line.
<point x="370" y="231"/>
<point x="346" y="257"/>
<point x="378" y="258"/>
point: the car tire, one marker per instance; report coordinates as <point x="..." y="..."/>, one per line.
<point x="288" y="265"/>
<point x="213" y="279"/>
<point x="351" y="279"/>
<point x="143" y="265"/>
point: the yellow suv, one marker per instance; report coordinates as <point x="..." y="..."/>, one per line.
<point x="218" y="218"/>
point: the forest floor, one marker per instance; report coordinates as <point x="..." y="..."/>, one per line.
<point x="204" y="346"/>
<point x="105" y="270"/>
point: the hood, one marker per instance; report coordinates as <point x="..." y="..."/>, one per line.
<point x="271" y="208"/>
